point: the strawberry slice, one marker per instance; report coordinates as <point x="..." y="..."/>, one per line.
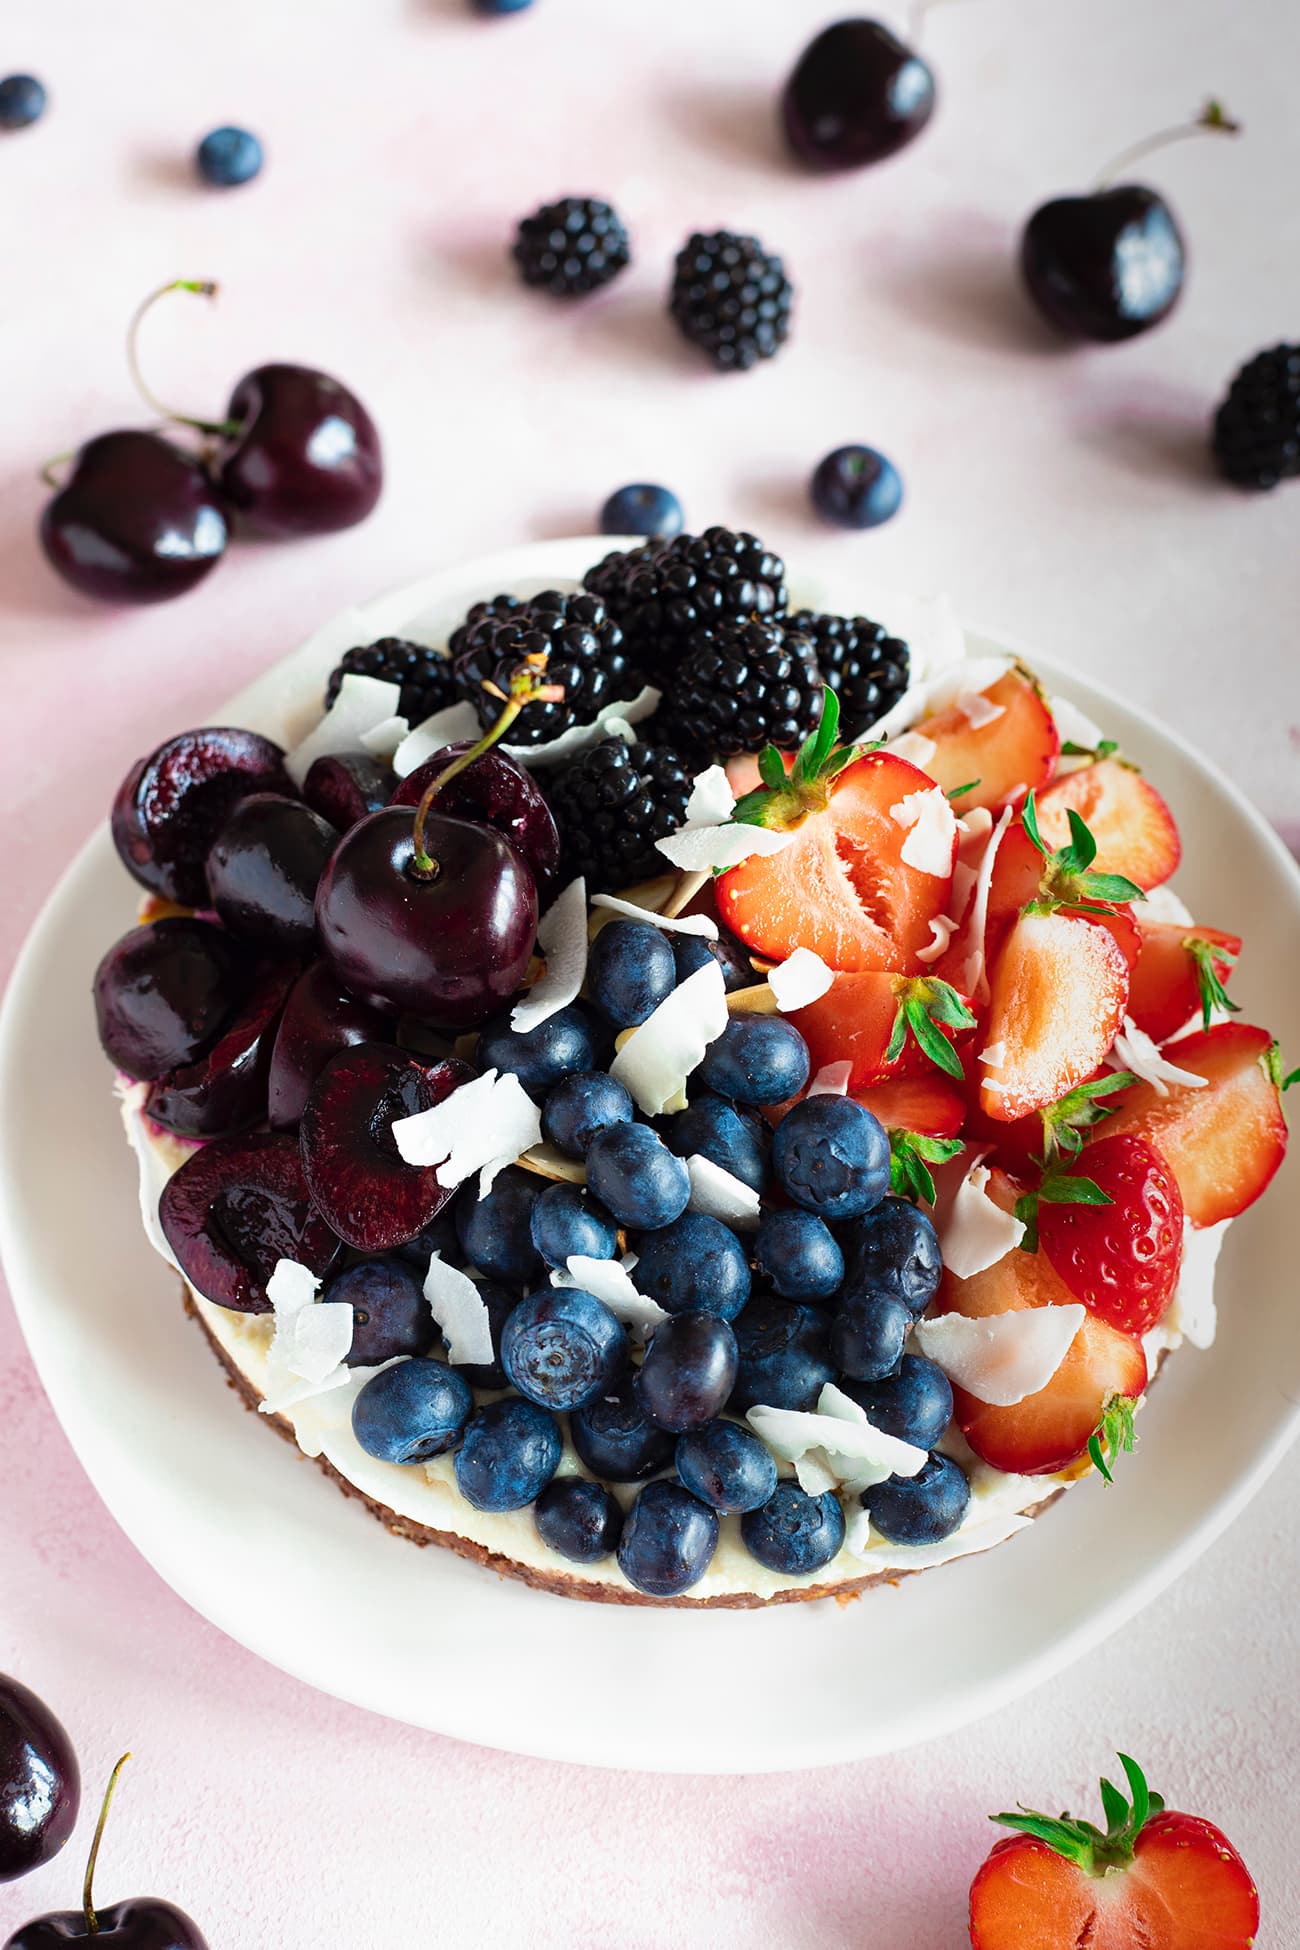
<point x="1026" y="872"/>
<point x="1133" y="827"/>
<point x="1155" y="1879"/>
<point x="1058" y="993"/>
<point x="1121" y="1259"/>
<point x="926" y="1105"/>
<point x="995" y="760"/>
<point x="1223" y="1140"/>
<point x="886" y="1026"/>
<point x="1178" y="972"/>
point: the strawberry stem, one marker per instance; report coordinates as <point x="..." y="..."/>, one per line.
<point x="1114" y="1433"/>
<point x="911" y="1154"/>
<point x="1091" y="1850"/>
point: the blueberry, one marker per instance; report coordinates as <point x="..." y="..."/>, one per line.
<point x="630" y="970"/>
<point x="499" y="6"/>
<point x="496" y="1232"/>
<point x="616" y="1439"/>
<point x="794" y="1533"/>
<point x="756" y="1060"/>
<point x="578" y="1519"/>
<point x="695" y="1265"/>
<point x="832" y="1156"/>
<point x="439" y="1236"/>
<point x="868" y="1332"/>
<point x="572" y="1039"/>
<point x="799" y="1254"/>
<point x="228" y="157"/>
<point x="895" y="1246"/>
<point x="562" y="1347"/>
<point x="726" y="1466"/>
<point x="566" y="1220"/>
<point x="915" y="1404"/>
<point x="855" y="487"/>
<point x="785" y="1356"/>
<point x="22" y="101"/>
<point x="580" y="1105"/>
<point x="412" y="1411"/>
<point x="509" y="1453"/>
<point x="642" y="510"/>
<point x="637" y="1178"/>
<point x="729" y="1137"/>
<point x="390" y="1314"/>
<point x="920" y="1509"/>
<point x="500" y="1302"/>
<point x="669" y="1538"/>
<point x="692" y="953"/>
<point x="688" y="1372"/>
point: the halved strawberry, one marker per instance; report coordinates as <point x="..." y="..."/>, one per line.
<point x="1054" y="1131"/>
<point x="1121" y="1259"/>
<point x="1224" y="1139"/>
<point x="1015" y="749"/>
<point x="1058" y="993"/>
<point x="1133" y="827"/>
<point x="886" y="1026"/>
<point x="1026" y="871"/>
<point x="1179" y="970"/>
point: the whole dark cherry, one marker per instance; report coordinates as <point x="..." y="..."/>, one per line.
<point x="320" y="1018"/>
<point x="263" y="869"/>
<point x="136" y="521"/>
<point x="306" y="458"/>
<point x="164" y="992"/>
<point x="857" y="95"/>
<point x="40" y="1784"/>
<point x="171" y="805"/>
<point x="497" y="791"/>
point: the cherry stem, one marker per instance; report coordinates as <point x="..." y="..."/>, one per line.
<point x="527" y="686"/>
<point x="87" y="1897"/>
<point x="1213" y="119"/>
<point x="48" y="475"/>
<point x="202" y="288"/>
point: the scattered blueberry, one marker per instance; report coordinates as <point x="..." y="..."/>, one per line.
<point x="390" y="1314"/>
<point x="509" y="1453"/>
<point x="642" y="510"/>
<point x="695" y="1265"/>
<point x="228" y="157"/>
<point x="500" y="1302"/>
<point x="668" y="1542"/>
<point x="412" y="1411"/>
<point x="688" y="1372"/>
<point x="578" y="1519"/>
<point x="572" y="1039"/>
<point x="799" y="1254"/>
<point x="616" y="1439"/>
<point x="562" y="1347"/>
<point x="630" y="970"/>
<point x="580" y="1105"/>
<point x="499" y="6"/>
<point x="785" y="1356"/>
<point x="794" y="1533"/>
<point x="920" y="1509"/>
<point x="726" y="1466"/>
<point x="728" y="1137"/>
<point x="637" y="1178"/>
<point x="692" y="953"/>
<point x="915" y="1404"/>
<point x="895" y="1246"/>
<point x="868" y="1332"/>
<point x="756" y="1060"/>
<point x="855" y="487"/>
<point x="565" y="1221"/>
<point x="496" y="1232"/>
<point x="22" y="102"/>
<point x="832" y="1156"/>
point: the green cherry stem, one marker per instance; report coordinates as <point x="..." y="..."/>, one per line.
<point x="87" y="1887"/>
<point x="1213" y="119"/>
<point x="202" y="288"/>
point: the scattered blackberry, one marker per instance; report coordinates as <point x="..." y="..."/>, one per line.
<point x="743" y="686"/>
<point x="611" y="804"/>
<point x="866" y="667"/>
<point x="662" y="592"/>
<point x="1257" y="428"/>
<point x="426" y="677"/>
<point x="571" y="247"/>
<point x="731" y="298"/>
<point x="586" y="658"/>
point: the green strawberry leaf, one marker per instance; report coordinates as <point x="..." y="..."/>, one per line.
<point x="771" y="768"/>
<point x="1213" y="994"/>
<point x="957" y="791"/>
<point x="1113" y="887"/>
<point x="1026" y="1210"/>
<point x="911" y="1154"/>
<point x="931" y="1038"/>
<point x="923" y="1003"/>
<point x="1106" y="748"/>
<point x="1067" y="881"/>
<point x="1083" y="1844"/>
<point x="1060" y="1188"/>
<point x="1029" y="820"/>
<point x="1079" y="855"/>
<point x="1114" y="1434"/>
<point x="1065" y="1121"/>
<point x="819" y="744"/>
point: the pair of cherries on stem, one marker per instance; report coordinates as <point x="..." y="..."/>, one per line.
<point x="140" y="518"/>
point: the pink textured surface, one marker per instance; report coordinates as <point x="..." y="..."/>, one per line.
<point x="1062" y="496"/>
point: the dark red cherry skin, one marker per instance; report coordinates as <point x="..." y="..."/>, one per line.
<point x="171" y="805"/>
<point x="136" y="521"/>
<point x="450" y="950"/>
<point x="346" y="786"/>
<point x="235" y="1208"/>
<point x="1106" y="266"/>
<point x="263" y="870"/>
<point x="163" y="993"/>
<point x="498" y="792"/>
<point x="320" y="1019"/>
<point x="225" y="1090"/>
<point x="40" y="1784"/>
<point x="307" y="458"/>
<point x="140" y="1923"/>
<point x="372" y="1198"/>
<point x="857" y="95"/>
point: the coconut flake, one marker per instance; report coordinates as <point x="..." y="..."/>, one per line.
<point x="714" y="849"/>
<point x="311" y="1339"/>
<point x="852" y="1448"/>
<point x="151" y="1170"/>
<point x="1075" y="726"/>
<point x="975" y="982"/>
<point x="581" y="737"/>
<point x="979" y="710"/>
<point x="914" y="746"/>
<point x="814" y="1474"/>
<point x="1163" y="904"/>
<point x="461" y="1313"/>
<point x="1134" y="1050"/>
<point x="1193" y="1312"/>
<point x="712" y="800"/>
<point x="1003" y="1357"/>
<point x="617" y="727"/>
<point x="661" y="1052"/>
<point x="931" y="827"/>
<point x="966" y="679"/>
<point x="719" y="1194"/>
<point x="450" y="726"/>
<point x="562" y="938"/>
<point x="482" y="1126"/>
<point x="362" y="705"/>
<point x="385" y="738"/>
<point x="994" y="1054"/>
<point x="942" y="930"/>
<point x="973" y="828"/>
<point x="832" y="1080"/>
<point x="801" y="979"/>
<point x="701" y="924"/>
<point x="611" y="1282"/>
<point x="977" y="1534"/>
<point x="974" y="1233"/>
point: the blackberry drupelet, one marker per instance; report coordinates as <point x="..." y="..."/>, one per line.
<point x="611" y="804"/>
<point x="663" y="591"/>
<point x="586" y="656"/>
<point x="1256" y="438"/>
<point x="426" y="676"/>
<point x="571" y="247"/>
<point x="743" y="686"/>
<point x="866" y="667"/>
<point x="731" y="298"/>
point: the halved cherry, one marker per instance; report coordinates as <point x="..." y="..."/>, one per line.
<point x="224" y="1091"/>
<point x="234" y="1209"/>
<point x="171" y="805"/>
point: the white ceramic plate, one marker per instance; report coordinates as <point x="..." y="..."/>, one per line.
<point x="263" y="1545"/>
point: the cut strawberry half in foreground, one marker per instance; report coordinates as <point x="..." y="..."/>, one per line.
<point x="1134" y="829"/>
<point x="1058" y="994"/>
<point x="1180" y="972"/>
<point x="996" y="743"/>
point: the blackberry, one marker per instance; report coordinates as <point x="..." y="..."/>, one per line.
<point x="743" y="686"/>
<point x="731" y="298"/>
<point x="611" y="804"/>
<point x="585" y="657"/>
<point x="866" y="667"/>
<point x="426" y="677"/>
<point x="571" y="247"/>
<point x="663" y="591"/>
<point x="1256" y="437"/>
